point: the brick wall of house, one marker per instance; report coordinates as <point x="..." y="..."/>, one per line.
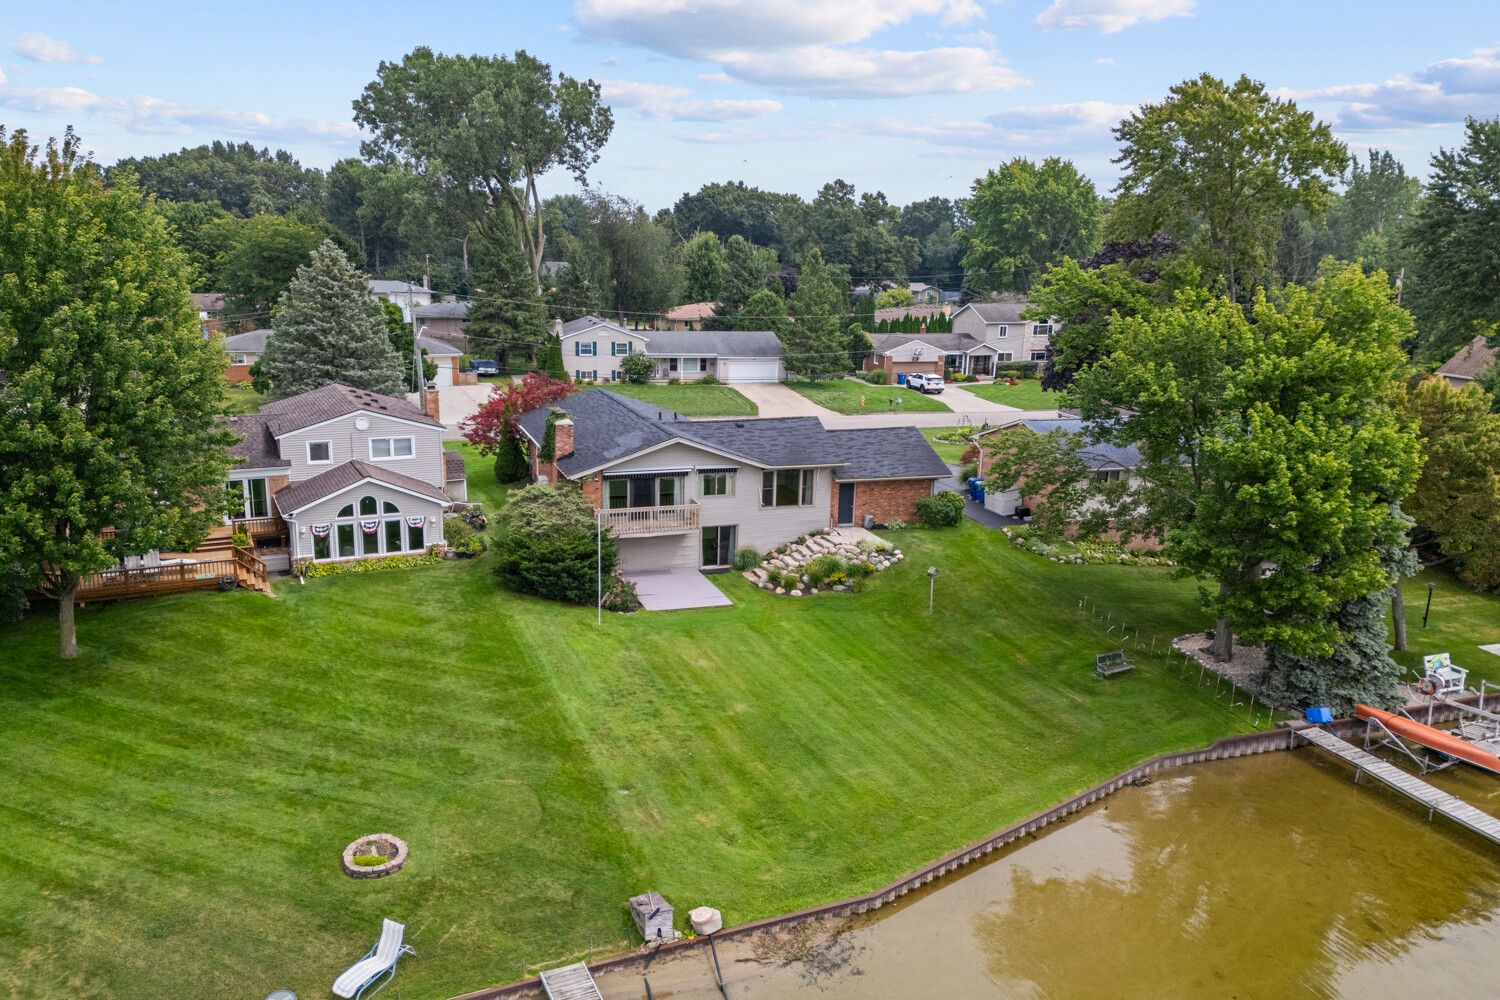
<point x="237" y="373"/>
<point x="884" y="500"/>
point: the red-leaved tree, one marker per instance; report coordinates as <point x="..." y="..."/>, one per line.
<point x="496" y="420"/>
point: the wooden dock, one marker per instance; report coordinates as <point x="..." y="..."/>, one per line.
<point x="571" y="982"/>
<point x="1436" y="800"/>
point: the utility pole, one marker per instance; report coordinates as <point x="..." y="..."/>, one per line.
<point x="1400" y="283"/>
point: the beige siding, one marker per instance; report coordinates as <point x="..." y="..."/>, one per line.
<point x="605" y="362"/>
<point x="328" y="509"/>
<point x="347" y="442"/>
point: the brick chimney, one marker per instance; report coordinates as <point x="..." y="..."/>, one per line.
<point x="562" y="438"/>
<point x="430" y="404"/>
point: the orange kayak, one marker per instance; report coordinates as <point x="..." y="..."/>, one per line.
<point x="1432" y="738"/>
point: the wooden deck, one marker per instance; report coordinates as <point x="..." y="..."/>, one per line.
<point x="571" y="982"/>
<point x="204" y="573"/>
<point x="1436" y="800"/>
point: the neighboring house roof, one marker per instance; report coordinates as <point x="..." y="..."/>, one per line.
<point x="583" y="323"/>
<point x="332" y="401"/>
<point x="208" y="301"/>
<point x="887" y="453"/>
<point x="608" y="428"/>
<point x="1096" y="454"/>
<point x="918" y="287"/>
<point x="381" y="286"/>
<point x="1469" y="363"/>
<point x="950" y="343"/>
<point x="714" y="343"/>
<point x="442" y="310"/>
<point x="998" y="312"/>
<point x="453" y="465"/>
<point x="691" y="311"/>
<point x="249" y="342"/>
<point x="256" y="448"/>
<point x="552" y="268"/>
<point x="922" y="310"/>
<point x="437" y="348"/>
<point x="290" y="499"/>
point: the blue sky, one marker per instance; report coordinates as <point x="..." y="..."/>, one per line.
<point x="912" y="97"/>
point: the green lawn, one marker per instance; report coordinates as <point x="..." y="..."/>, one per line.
<point x="844" y="395"/>
<point x="690" y="400"/>
<point x="1026" y="394"/>
<point x="176" y="799"/>
<point x="239" y="397"/>
<point x="1460" y="621"/>
<point x="948" y="451"/>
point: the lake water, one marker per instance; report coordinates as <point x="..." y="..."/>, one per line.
<point x="1272" y="876"/>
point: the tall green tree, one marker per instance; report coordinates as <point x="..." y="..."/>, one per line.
<point x="483" y="130"/>
<point x="643" y="269"/>
<point x="1272" y="451"/>
<point x="237" y="177"/>
<point x="265" y="253"/>
<point x="1456" y="502"/>
<point x="329" y="328"/>
<point x="815" y="346"/>
<point x="507" y="319"/>
<point x="1026" y="218"/>
<point x="766" y="310"/>
<point x="109" y="402"/>
<point x="751" y="268"/>
<point x="1369" y="220"/>
<point x="403" y="342"/>
<point x="855" y="234"/>
<point x="582" y="288"/>
<point x="933" y="223"/>
<point x="705" y="268"/>
<point x="1222" y="164"/>
<point x="1455" y="256"/>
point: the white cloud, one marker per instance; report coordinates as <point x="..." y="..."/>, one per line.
<point x="714" y="77"/>
<point x="147" y="115"/>
<point x="42" y="49"/>
<point x="1110" y="16"/>
<point x="807" y="46"/>
<point x="1443" y="93"/>
<point x="669" y="102"/>
<point x="1029" y="130"/>
<point x="1105" y="61"/>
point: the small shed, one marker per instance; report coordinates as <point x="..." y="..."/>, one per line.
<point x="653" y="917"/>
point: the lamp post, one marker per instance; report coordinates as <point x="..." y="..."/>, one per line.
<point x="931" y="586"/>
<point x="598" y="567"/>
<point x="1428" y="610"/>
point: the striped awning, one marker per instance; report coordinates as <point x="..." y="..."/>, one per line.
<point x="649" y="474"/>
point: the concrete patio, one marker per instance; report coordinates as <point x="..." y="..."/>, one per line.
<point x="676" y="590"/>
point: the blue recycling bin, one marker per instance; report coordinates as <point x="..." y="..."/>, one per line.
<point x="1319" y="715"/>
<point x="976" y="489"/>
<point x="901" y="378"/>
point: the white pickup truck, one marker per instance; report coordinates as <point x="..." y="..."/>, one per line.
<point x="922" y="382"/>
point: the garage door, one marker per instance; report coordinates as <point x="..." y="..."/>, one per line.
<point x="753" y="371"/>
<point x="444" y="373"/>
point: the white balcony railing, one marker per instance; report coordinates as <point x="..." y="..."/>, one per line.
<point x="652" y="520"/>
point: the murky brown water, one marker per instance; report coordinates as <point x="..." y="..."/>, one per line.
<point x="1272" y="876"/>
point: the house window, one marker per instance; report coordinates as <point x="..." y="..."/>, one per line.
<point x="319" y="452"/>
<point x="718" y="546"/>
<point x="391" y="447"/>
<point x="616" y="493"/>
<point x="346" y="540"/>
<point x="1004" y="356"/>
<point x="416" y="537"/>
<point x="1001" y="332"/>
<point x="1108" y="475"/>
<point x="616" y="348"/>
<point x="1038" y="355"/>
<point x="251" y="496"/>
<point x="1042" y="329"/>
<point x="643" y="491"/>
<point x="238" y="359"/>
<point x="585" y="349"/>
<point x="953" y="362"/>
<point x="786" y="488"/>
<point x="321" y="548"/>
<point x="716" y="484"/>
<point x="703" y="364"/>
<point x="672" y="364"/>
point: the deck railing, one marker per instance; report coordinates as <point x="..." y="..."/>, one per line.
<point x="241" y="565"/>
<point x="652" y="520"/>
<point x="259" y="526"/>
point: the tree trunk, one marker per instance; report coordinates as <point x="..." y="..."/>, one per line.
<point x="1223" y="645"/>
<point x="67" y="629"/>
<point x="1398" y="616"/>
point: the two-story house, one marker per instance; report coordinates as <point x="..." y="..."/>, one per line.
<point x="681" y="493"/>
<point x="340" y="473"/>
<point x="593" y="349"/>
<point x="985" y="335"/>
<point x="1001" y="331"/>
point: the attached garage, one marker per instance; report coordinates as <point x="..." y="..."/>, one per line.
<point x="750" y="370"/>
<point x="444" y="356"/>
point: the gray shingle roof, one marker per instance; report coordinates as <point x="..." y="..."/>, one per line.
<point x="998" y="312"/>
<point x="341" y="477"/>
<point x="949" y="342"/>
<point x="1470" y="362"/>
<point x="582" y="323"/>
<point x="608" y="428"/>
<point x="453" y="466"/>
<point x="887" y="453"/>
<point x="1097" y="454"/>
<point x="382" y="286"/>
<point x="331" y="401"/>
<point x="442" y="310"/>
<point x="437" y="348"/>
<point x="256" y="448"/>
<point x="249" y="342"/>
<point x="713" y="343"/>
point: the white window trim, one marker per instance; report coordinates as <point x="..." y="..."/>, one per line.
<point x="1002" y="332"/>
<point x="587" y="348"/>
<point x="1004" y="358"/>
<point x="320" y="461"/>
<point x="393" y="457"/>
<point x="238" y="359"/>
<point x="730" y="486"/>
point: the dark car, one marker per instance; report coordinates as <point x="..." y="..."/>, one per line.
<point x="484" y="366"/>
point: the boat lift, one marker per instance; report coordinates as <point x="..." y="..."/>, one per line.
<point x="1476" y="741"/>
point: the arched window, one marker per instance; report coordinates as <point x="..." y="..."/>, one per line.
<point x="391" y="508"/>
<point x="348" y="510"/>
<point x="367" y="505"/>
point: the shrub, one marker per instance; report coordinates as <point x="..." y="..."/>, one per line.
<point x="240" y="539"/>
<point x="859" y="570"/>
<point x="821" y="568"/>
<point x="462" y="538"/>
<point x="876" y="377"/>
<point x="747" y="558"/>
<point x="866" y="545"/>
<point x="709" y="379"/>
<point x="945" y="510"/>
<point x="674" y="380"/>
<point x="967" y="471"/>
<point x="314" y="570"/>
<point x="637" y="369"/>
<point x="546" y="544"/>
<point x="895" y="524"/>
<point x="620" y="596"/>
<point x="369" y="860"/>
<point x="510" y="462"/>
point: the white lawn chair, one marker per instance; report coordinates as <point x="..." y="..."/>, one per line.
<point x="378" y="961"/>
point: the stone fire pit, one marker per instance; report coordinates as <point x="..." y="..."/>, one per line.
<point x="386" y="845"/>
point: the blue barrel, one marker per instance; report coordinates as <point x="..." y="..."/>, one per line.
<point x="901" y="378"/>
<point x="1319" y="715"/>
<point x="976" y="489"/>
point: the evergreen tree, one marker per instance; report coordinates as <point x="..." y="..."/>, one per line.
<point x="751" y="269"/>
<point x="764" y="311"/>
<point x="552" y="359"/>
<point x="329" y="329"/>
<point x="401" y="337"/>
<point x="860" y="346"/>
<point x="507" y="318"/>
<point x="815" y="347"/>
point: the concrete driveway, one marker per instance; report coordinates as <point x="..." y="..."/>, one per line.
<point x="676" y="589"/>
<point x="776" y="400"/>
<point x="455" y="403"/>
